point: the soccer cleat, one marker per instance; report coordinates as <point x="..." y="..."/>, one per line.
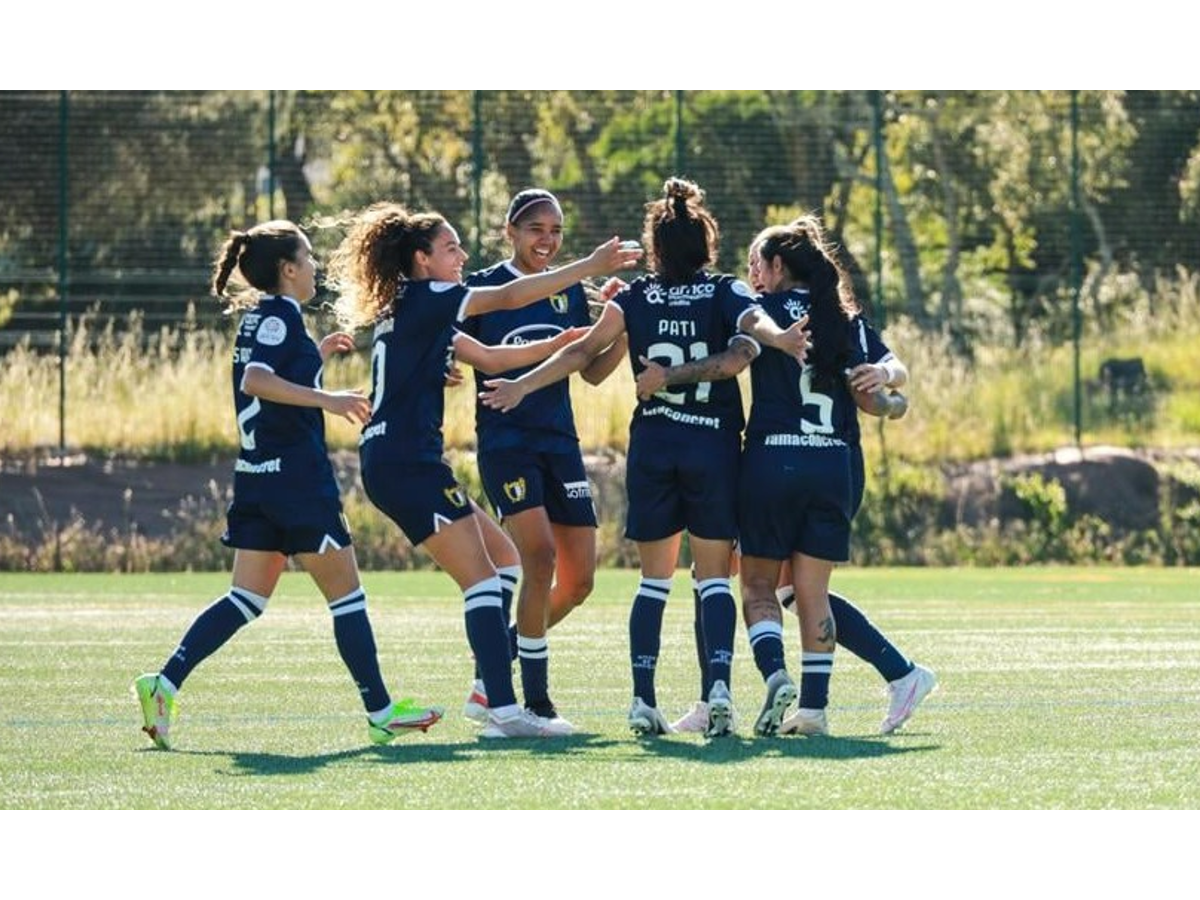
<point x="476" y="707"/>
<point x="906" y="695"/>
<point x="406" y="716"/>
<point x="720" y="711"/>
<point x="781" y="692"/>
<point x="158" y="708"/>
<point x="645" y="719"/>
<point x="694" y="721"/>
<point x="546" y="710"/>
<point x="805" y="721"/>
<point x="525" y="724"/>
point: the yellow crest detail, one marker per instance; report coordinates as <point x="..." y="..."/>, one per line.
<point x="559" y="302"/>
<point x="456" y="496"/>
<point x="515" y="490"/>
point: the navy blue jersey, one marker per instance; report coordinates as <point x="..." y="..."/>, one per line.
<point x="787" y="406"/>
<point x="679" y="324"/>
<point x="543" y="421"/>
<point x="282" y="446"/>
<point x="408" y="373"/>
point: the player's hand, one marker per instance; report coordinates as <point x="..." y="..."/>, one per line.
<point x="613" y="256"/>
<point x="796" y="340"/>
<point x="868" y="377"/>
<point x="503" y="394"/>
<point x="454" y="375"/>
<point x="651" y="379"/>
<point x="336" y="342"/>
<point x="352" y="405"/>
<point x="611" y="288"/>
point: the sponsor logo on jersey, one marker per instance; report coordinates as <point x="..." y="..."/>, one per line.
<point x="795" y="307"/>
<point x="578" y="490"/>
<point x="515" y="490"/>
<point x="559" y="303"/>
<point x="456" y="496"/>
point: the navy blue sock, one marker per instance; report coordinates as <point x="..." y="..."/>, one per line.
<point x="720" y="625"/>
<point x="211" y="630"/>
<point x="701" y="650"/>
<point x="534" y="656"/>
<point x="645" y="635"/>
<point x="815" y="669"/>
<point x="356" y="644"/>
<point x="766" y="640"/>
<point x="509" y="576"/>
<point x="859" y="635"/>
<point x="487" y="633"/>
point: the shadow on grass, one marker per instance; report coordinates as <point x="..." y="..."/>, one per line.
<point x="739" y="747"/>
<point x="260" y="764"/>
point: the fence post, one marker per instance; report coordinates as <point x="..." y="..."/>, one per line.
<point x="477" y="171"/>
<point x="679" y="142"/>
<point x="271" y="155"/>
<point x="1076" y="265"/>
<point x="63" y="261"/>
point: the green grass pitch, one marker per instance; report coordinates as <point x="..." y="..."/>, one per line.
<point x="1060" y="689"/>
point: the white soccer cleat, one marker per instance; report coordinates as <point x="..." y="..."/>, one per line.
<point x="781" y="693"/>
<point x="694" y="721"/>
<point x="720" y="711"/>
<point x="645" y="719"/>
<point x="906" y="695"/>
<point x="525" y="724"/>
<point x="806" y="721"/>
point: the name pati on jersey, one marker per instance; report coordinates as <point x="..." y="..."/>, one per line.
<point x="677" y="327"/>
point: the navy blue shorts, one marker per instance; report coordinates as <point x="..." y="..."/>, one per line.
<point x="516" y="480"/>
<point x="420" y="497"/>
<point x="795" y="499"/>
<point x="682" y="478"/>
<point x="286" y="525"/>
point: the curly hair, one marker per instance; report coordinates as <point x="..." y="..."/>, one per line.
<point x="369" y="267"/>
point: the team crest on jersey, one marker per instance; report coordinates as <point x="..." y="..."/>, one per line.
<point x="456" y="496"/>
<point x="515" y="490"/>
<point x="559" y="303"/>
<point x="271" y="332"/>
<point x="795" y="308"/>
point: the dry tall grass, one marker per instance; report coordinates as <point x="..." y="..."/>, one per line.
<point x="167" y="393"/>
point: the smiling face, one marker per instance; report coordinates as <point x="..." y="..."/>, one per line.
<point x="444" y="261"/>
<point x="536" y="238"/>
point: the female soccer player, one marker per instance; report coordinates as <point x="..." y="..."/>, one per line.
<point x="880" y="375"/>
<point x="529" y="460"/>
<point x="285" y="498"/>
<point x="401" y="272"/>
<point x="683" y="445"/>
<point x="872" y="382"/>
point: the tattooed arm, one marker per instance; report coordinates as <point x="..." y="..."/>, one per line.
<point x="727" y="364"/>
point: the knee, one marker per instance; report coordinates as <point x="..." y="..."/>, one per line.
<point x="537" y="562"/>
<point x="578" y="588"/>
